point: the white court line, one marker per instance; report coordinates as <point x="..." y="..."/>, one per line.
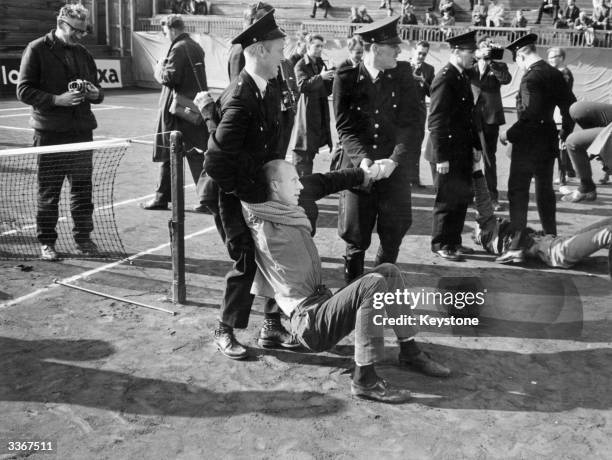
<point x="14" y="108"/>
<point x="94" y="271"/>
<point x="61" y="219"/>
<point x="16" y="128"/>
<point x="94" y="109"/>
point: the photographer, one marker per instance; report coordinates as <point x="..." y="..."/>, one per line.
<point x="49" y="66"/>
<point x="486" y="79"/>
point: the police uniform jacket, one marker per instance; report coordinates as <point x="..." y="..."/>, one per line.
<point x="486" y="88"/>
<point x="245" y="139"/>
<point x="312" y="118"/>
<point x="451" y="125"/>
<point x="183" y="72"/>
<point x="47" y="66"/>
<point x="376" y="120"/>
<point x="542" y="88"/>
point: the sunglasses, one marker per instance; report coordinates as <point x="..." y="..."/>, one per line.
<point x="75" y="30"/>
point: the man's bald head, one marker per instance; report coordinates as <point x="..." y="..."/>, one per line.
<point x="283" y="181"/>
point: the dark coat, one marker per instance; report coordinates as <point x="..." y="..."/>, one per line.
<point x="428" y="73"/>
<point x="451" y="124"/>
<point x="542" y="89"/>
<point x="376" y="120"/>
<point x="312" y="117"/>
<point x="346" y="63"/>
<point x="178" y="75"/>
<point x="487" y="91"/>
<point x="245" y="139"/>
<point x="44" y="73"/>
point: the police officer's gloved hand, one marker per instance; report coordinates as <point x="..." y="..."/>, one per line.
<point x="387" y="166"/>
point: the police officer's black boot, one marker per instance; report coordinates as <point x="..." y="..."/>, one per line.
<point x="353" y="266"/>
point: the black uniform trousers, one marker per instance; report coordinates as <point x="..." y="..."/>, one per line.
<point x="453" y="195"/>
<point x="388" y="206"/>
<point x="491" y="133"/>
<point x="522" y="169"/>
<point x="237" y="301"/>
<point x="414" y="152"/>
<point x="53" y="168"/>
<point x="164" y="184"/>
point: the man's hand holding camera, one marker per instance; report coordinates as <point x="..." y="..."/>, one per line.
<point x="78" y="91"/>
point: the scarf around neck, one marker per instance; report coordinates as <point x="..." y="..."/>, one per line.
<point x="279" y="213"/>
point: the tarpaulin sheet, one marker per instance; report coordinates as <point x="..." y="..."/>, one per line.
<point x="590" y="66"/>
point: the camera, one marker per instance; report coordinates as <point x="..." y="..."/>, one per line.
<point x="78" y="86"/>
<point x="496" y="53"/>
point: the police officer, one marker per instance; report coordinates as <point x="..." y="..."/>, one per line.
<point x="376" y="107"/>
<point x="535" y="141"/>
<point x="454" y="143"/>
<point x="244" y="140"/>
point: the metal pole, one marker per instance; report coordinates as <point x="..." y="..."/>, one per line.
<point x="107" y="21"/>
<point x="177" y="223"/>
<point x="108" y="296"/>
<point x="132" y="25"/>
<point x="154" y="8"/>
<point x="121" y="45"/>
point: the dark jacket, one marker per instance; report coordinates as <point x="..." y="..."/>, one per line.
<point x="178" y="75"/>
<point x="376" y="120"/>
<point x="451" y="124"/>
<point x="428" y="73"/>
<point x="312" y="118"/>
<point x="571" y="14"/>
<point x="245" y="139"/>
<point x="542" y="89"/>
<point x="44" y="73"/>
<point x="487" y="91"/>
<point x="348" y="62"/>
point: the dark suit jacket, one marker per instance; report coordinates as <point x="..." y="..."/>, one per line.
<point x="428" y="73"/>
<point x="312" y="118"/>
<point x="571" y="14"/>
<point x="542" y="89"/>
<point x="377" y="120"/>
<point x="486" y="89"/>
<point x="245" y="139"/>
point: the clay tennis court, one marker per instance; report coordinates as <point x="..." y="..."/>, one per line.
<point x="104" y="379"/>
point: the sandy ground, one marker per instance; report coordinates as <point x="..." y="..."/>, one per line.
<point x="105" y="379"/>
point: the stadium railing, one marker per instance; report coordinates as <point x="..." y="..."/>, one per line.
<point x="225" y="26"/>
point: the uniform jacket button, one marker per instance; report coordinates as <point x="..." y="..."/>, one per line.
<point x="374" y="146"/>
<point x="376" y="125"/>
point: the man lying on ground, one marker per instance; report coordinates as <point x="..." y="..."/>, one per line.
<point x="289" y="269"/>
<point x="494" y="235"/>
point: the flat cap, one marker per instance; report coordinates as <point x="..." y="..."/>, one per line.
<point x="463" y="41"/>
<point x="265" y="28"/>
<point x="383" y="32"/>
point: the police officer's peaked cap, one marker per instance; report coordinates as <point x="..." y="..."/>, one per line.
<point x="525" y="40"/>
<point x="383" y="32"/>
<point x="265" y="28"/>
<point x="463" y="41"/>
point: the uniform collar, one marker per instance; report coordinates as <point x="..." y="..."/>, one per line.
<point x="374" y="73"/>
<point x="260" y="82"/>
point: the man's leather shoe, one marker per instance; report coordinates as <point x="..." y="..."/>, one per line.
<point x="463" y="250"/>
<point x="577" y="196"/>
<point x="228" y="345"/>
<point x="424" y="364"/>
<point x="381" y="392"/>
<point x="47" y="252"/>
<point x="87" y="247"/>
<point x="155" y="205"/>
<point x="449" y="254"/>
<point x="201" y="208"/>
<point x="274" y="335"/>
<point x="515" y="256"/>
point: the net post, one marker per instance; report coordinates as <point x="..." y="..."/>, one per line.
<point x="177" y="223"/>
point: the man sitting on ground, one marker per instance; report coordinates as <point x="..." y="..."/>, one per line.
<point x="289" y="269"/>
<point x="494" y="235"/>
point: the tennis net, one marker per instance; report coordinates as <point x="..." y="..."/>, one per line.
<point x="61" y="195"/>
